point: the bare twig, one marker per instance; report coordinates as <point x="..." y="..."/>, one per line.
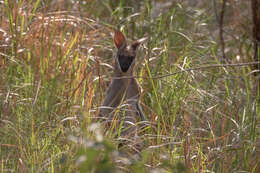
<point x="191" y="69"/>
<point x="215" y="10"/>
<point x="221" y="21"/>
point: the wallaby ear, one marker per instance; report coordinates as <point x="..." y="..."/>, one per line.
<point x="138" y="42"/>
<point x="119" y="39"/>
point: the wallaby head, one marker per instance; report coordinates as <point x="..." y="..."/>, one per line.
<point x="125" y="59"/>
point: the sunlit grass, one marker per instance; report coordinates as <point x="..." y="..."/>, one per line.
<point x="55" y="65"/>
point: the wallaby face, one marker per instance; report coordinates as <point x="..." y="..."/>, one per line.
<point x="123" y="90"/>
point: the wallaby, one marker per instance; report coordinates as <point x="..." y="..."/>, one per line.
<point x="124" y="90"/>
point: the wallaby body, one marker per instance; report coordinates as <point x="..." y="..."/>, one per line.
<point x="123" y="92"/>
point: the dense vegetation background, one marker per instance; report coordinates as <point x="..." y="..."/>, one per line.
<point x="55" y="66"/>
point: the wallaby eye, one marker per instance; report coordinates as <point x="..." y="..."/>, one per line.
<point x="125" y="62"/>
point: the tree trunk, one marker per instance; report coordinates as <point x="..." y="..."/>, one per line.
<point x="255" y="4"/>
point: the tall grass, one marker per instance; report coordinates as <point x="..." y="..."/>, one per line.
<point x="56" y="57"/>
